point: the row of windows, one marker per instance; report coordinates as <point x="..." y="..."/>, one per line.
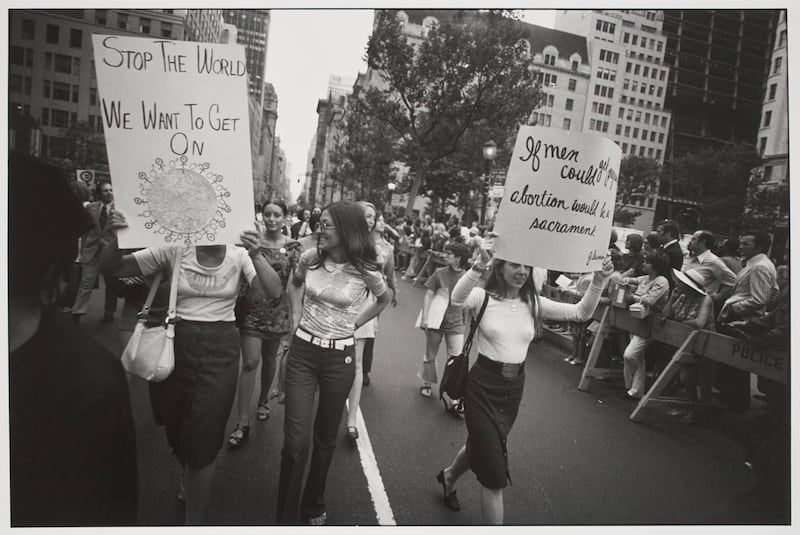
<point x="548" y="100"/>
<point x="600" y="126"/>
<point x="643" y="89"/>
<point x="636" y="115"/>
<point x="651" y="43"/>
<point x="606" y="74"/>
<point x="651" y="153"/>
<point x="542" y="119"/>
<point x="645" y="71"/>
<point x="643" y="103"/>
<point x="19" y="84"/>
<point x="52" y="33"/>
<point x="609" y="56"/>
<point x="642" y="57"/>
<point x="605" y="26"/>
<point x="604" y="91"/>
<point x="645" y="134"/>
<point x="602" y="109"/>
<point x="52" y="62"/>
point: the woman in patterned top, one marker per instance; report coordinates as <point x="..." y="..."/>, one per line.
<point x="263" y="322"/>
<point x="326" y="295"/>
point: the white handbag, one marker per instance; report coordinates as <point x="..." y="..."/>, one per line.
<point x="150" y="352"/>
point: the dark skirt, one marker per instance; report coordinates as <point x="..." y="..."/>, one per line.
<point x="491" y="404"/>
<point x="194" y="402"/>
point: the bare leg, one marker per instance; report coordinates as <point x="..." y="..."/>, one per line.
<point x="251" y="357"/>
<point x="492" y="505"/>
<point x="457" y="468"/>
<point x="198" y="492"/>
<point x="355" y="391"/>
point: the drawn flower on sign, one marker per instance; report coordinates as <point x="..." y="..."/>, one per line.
<point x="183" y="201"/>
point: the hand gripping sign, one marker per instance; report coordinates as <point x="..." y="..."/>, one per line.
<point x="558" y="204"/>
<point x="176" y="122"/>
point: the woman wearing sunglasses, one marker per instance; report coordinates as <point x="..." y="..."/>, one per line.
<point x="326" y="292"/>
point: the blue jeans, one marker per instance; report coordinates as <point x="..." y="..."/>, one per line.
<point x="309" y="368"/>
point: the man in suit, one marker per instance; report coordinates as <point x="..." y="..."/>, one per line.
<point x="756" y="284"/>
<point x="669" y="232"/>
<point x="93" y="243"/>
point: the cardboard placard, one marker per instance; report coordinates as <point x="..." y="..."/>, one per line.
<point x="558" y="203"/>
<point x="176" y="122"/>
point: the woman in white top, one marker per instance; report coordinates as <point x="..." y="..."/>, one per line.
<point x="194" y="402"/>
<point x="512" y="319"/>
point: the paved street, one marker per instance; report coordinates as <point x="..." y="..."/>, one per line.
<point x="575" y="457"/>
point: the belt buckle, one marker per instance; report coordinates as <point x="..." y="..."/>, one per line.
<point x="509" y="371"/>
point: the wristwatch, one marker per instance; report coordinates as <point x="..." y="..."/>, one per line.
<point x="479" y="269"/>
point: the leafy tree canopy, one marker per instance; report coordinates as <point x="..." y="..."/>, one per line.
<point x="468" y="75"/>
<point x="637" y="177"/>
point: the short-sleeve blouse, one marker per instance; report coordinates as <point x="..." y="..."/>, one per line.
<point x="334" y="294"/>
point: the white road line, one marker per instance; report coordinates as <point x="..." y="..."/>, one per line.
<point x="380" y="501"/>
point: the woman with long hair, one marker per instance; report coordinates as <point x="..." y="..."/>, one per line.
<point x="194" y="402"/>
<point x="512" y="319"/>
<point x="263" y="322"/>
<point x="327" y="292"/>
<point x="652" y="291"/>
<point x="365" y="335"/>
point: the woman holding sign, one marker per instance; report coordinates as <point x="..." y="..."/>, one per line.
<point x="195" y="400"/>
<point x="512" y="319"/>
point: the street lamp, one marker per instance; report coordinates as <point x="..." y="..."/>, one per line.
<point x="489" y="154"/>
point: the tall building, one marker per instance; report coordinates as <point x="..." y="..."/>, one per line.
<point x="339" y="86"/>
<point x="627" y="90"/>
<point x="719" y="63"/>
<point x="203" y="25"/>
<point x="253" y="32"/>
<point x="773" y="136"/>
<point x="52" y="81"/>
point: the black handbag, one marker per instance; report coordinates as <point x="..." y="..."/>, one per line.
<point x="456" y="370"/>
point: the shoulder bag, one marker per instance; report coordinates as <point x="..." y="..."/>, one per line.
<point x="150" y="353"/>
<point x="456" y="370"/>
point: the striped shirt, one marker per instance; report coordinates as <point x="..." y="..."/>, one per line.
<point x="754" y="287"/>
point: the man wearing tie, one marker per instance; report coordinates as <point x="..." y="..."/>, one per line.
<point x="92" y="245"/>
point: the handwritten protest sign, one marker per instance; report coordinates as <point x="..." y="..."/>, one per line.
<point x="175" y="116"/>
<point x="558" y="203"/>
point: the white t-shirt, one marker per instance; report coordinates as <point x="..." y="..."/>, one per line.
<point x="204" y="293"/>
<point x="506" y="329"/>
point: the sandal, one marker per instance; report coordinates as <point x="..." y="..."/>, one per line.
<point x="425" y="391"/>
<point x="318" y="520"/>
<point x="239" y="436"/>
<point x="352" y="433"/>
<point x="262" y="413"/>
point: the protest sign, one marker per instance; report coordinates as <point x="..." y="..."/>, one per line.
<point x="175" y="116"/>
<point x="558" y="203"/>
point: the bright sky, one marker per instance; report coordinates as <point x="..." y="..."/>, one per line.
<point x="306" y="47"/>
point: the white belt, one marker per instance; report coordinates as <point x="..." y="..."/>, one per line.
<point x="340" y="344"/>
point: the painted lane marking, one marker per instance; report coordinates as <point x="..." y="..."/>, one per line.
<point x="380" y="501"/>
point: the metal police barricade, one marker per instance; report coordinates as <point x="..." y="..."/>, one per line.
<point x="690" y="343"/>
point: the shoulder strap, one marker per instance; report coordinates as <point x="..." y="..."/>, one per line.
<point x="474" y="324"/>
<point x="173" y="287"/>
<point x="145" y="312"/>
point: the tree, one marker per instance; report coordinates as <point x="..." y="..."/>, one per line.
<point x="718" y="179"/>
<point x="87" y="146"/>
<point x="362" y="154"/>
<point x="766" y="205"/>
<point x="468" y="73"/>
<point x="637" y="176"/>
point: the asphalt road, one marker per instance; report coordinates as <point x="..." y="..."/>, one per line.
<point x="575" y="457"/>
